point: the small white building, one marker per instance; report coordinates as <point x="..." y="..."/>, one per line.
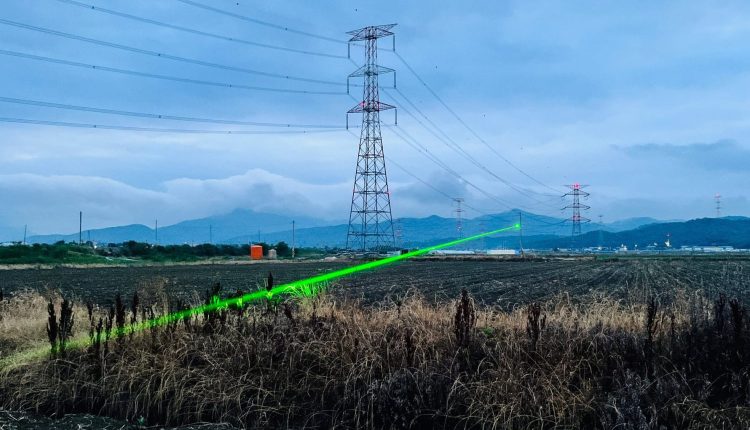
<point x="707" y="249"/>
<point x="272" y="254"/>
<point x="450" y="252"/>
<point x="502" y="252"/>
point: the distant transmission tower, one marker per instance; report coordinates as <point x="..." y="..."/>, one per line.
<point x="370" y="222"/>
<point x="717" y="197"/>
<point x="576" y="191"/>
<point x="459" y="221"/>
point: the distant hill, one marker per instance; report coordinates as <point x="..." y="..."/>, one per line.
<point x="242" y="226"/>
<point x="137" y="232"/>
<point x="433" y="229"/>
<point x="318" y="237"/>
<point x="415" y="231"/>
<point x="625" y="224"/>
<point x="220" y="229"/>
<point x="728" y="231"/>
<point x="225" y="228"/>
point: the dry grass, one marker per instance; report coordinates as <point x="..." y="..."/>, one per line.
<point x="23" y="321"/>
<point x="320" y="363"/>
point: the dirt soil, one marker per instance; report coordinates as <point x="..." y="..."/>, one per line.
<point x="499" y="282"/>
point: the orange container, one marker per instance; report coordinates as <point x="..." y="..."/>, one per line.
<point x="256" y="252"/>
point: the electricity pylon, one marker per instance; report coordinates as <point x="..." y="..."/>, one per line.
<point x="370" y="222"/>
<point x="576" y="191"/>
<point x="459" y="217"/>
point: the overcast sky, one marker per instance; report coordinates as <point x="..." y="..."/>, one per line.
<point x="646" y="102"/>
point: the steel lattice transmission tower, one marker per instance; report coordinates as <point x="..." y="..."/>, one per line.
<point x="576" y="191"/>
<point x="717" y="198"/>
<point x="370" y="222"/>
<point x="459" y="217"/>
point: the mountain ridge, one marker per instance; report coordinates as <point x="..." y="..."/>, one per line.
<point x="241" y="226"/>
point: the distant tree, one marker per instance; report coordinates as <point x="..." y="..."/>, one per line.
<point x="283" y="250"/>
<point x="132" y="248"/>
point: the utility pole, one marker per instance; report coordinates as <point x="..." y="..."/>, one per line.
<point x="717" y="197"/>
<point x="399" y="234"/>
<point x="211" y="234"/>
<point x="258" y="236"/>
<point x="601" y="232"/>
<point x="293" y="238"/>
<point x="370" y="218"/>
<point x="483" y="228"/>
<point x="80" y="228"/>
<point x="156" y="232"/>
<point x="520" y="231"/>
<point x="576" y="192"/>
<point x="24" y="233"/>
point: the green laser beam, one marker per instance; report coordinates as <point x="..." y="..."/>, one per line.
<point x="304" y="287"/>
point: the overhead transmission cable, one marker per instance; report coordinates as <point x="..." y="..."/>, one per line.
<point x="159" y="116"/>
<point x="471" y="130"/>
<point x="460" y="151"/>
<point x="408" y="139"/>
<point x="427" y="153"/>
<point x="156" y="130"/>
<point x="454" y="173"/>
<point x="163" y="77"/>
<point x="445" y="105"/>
<point x="547" y="225"/>
<point x="259" y="22"/>
<point x="197" y="32"/>
<point x="164" y="55"/>
<point x="432" y="187"/>
<point x="420" y="148"/>
<point x="447" y="140"/>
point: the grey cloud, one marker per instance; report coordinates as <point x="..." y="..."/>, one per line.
<point x="50" y="204"/>
<point x="726" y="155"/>
<point x="425" y="195"/>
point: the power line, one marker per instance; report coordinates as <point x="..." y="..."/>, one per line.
<point x="156" y="130"/>
<point x="453" y="145"/>
<point x="429" y="185"/>
<point x="406" y="137"/>
<point x="198" y="32"/>
<point x="435" y="160"/>
<point x="457" y="175"/>
<point x="460" y="150"/>
<point x="164" y="55"/>
<point x="411" y="141"/>
<point x="471" y="130"/>
<point x="543" y="221"/>
<point x="445" y="167"/>
<point x="443" y="137"/>
<point x="163" y="77"/>
<point x="258" y="21"/>
<point x="538" y="219"/>
<point x="157" y="116"/>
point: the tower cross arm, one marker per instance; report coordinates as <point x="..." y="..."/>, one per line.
<point x="368" y="70"/>
<point x="371" y="32"/>
<point x="370" y="107"/>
